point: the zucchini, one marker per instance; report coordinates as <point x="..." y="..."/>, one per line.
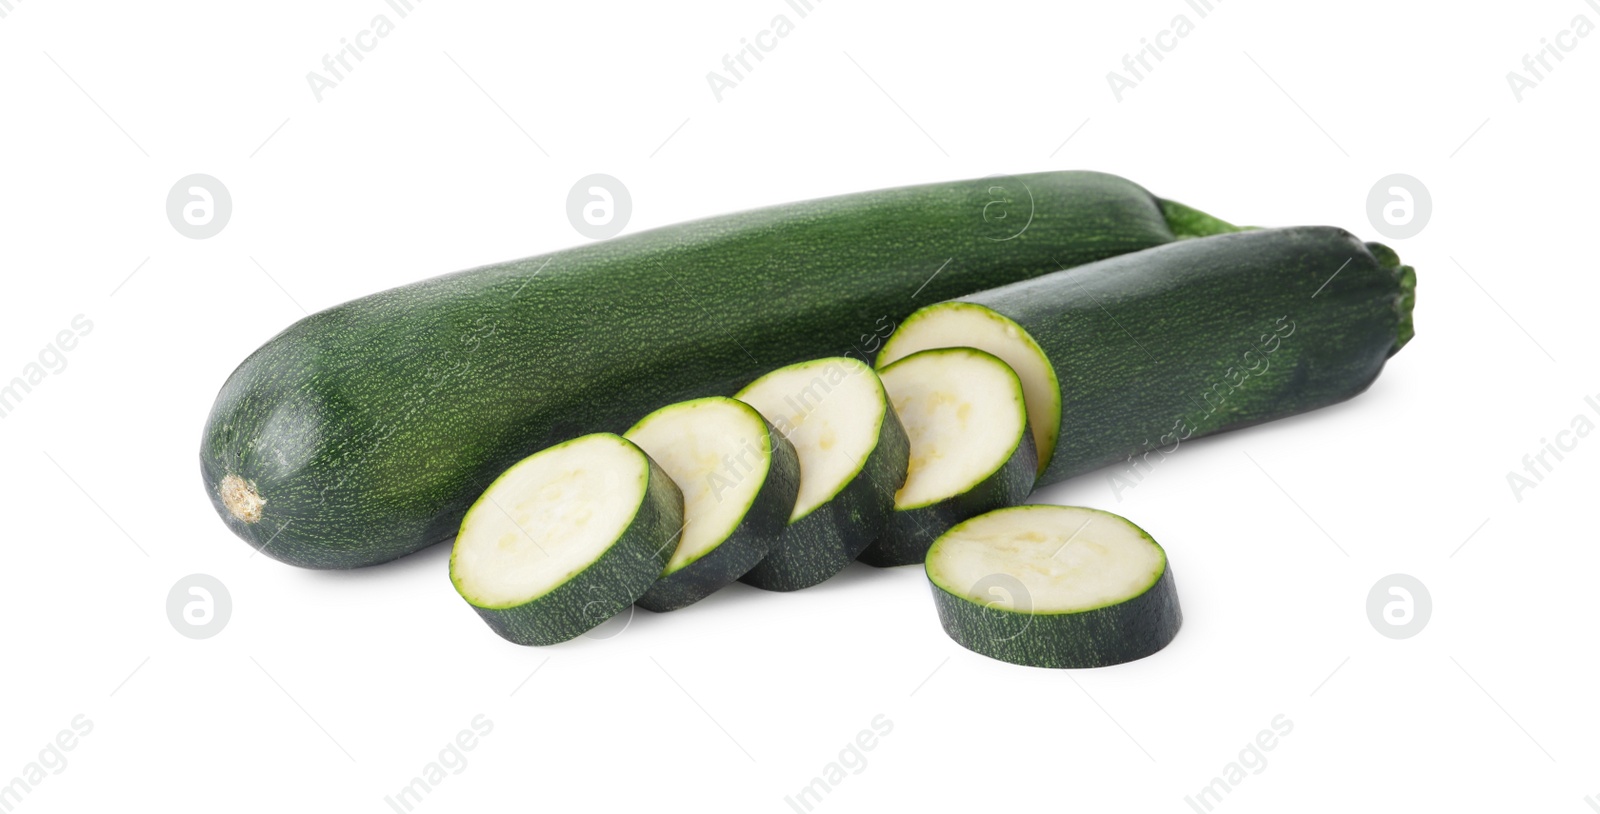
<point x="853" y="455"/>
<point x="739" y="477"/>
<point x="566" y="539"/>
<point x="364" y="432"/>
<point x="1054" y="586"/>
<point x="1131" y="356"/>
<point x="970" y="447"/>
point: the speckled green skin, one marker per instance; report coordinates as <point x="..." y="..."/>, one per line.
<point x="1156" y="348"/>
<point x="1101" y="637"/>
<point x="369" y="428"/>
<point x="610" y="584"/>
<point x="833" y="535"/>
<point x="753" y="539"/>
<point x="910" y="531"/>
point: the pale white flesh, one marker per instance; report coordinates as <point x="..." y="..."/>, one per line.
<point x="963" y="412"/>
<point x="967" y="325"/>
<point x="1067" y="559"/>
<point x="716" y="450"/>
<point x="547" y="519"/>
<point x="831" y="411"/>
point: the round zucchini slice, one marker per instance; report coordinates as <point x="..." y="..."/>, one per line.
<point x="971" y="451"/>
<point x="739" y="478"/>
<point x="567" y="538"/>
<point x="1054" y="586"/>
<point x="853" y="455"/>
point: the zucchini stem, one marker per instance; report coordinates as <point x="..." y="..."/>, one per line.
<point x="1403" y="306"/>
<point x="1406" y="301"/>
<point x="1186" y="221"/>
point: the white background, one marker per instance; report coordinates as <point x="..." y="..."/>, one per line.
<point x="328" y="691"/>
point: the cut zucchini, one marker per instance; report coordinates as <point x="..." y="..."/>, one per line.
<point x="1131" y="356"/>
<point x="739" y="478"/>
<point x="971" y="451"/>
<point x="567" y="538"/>
<point x="853" y="455"/>
<point x="1054" y="586"/>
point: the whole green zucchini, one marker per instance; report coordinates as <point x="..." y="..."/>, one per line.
<point x="1130" y="357"/>
<point x="364" y="432"/>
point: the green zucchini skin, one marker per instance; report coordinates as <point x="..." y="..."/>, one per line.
<point x="363" y="432"/>
<point x="1114" y="634"/>
<point x="833" y="535"/>
<point x="1202" y="336"/>
<point x="910" y="531"/>
<point x="760" y="532"/>
<point x="608" y="585"/>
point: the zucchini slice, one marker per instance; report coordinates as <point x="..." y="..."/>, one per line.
<point x="567" y="538"/>
<point x="1131" y="356"/>
<point x="739" y="478"/>
<point x="1054" y="586"/>
<point x="971" y="451"/>
<point x="853" y="456"/>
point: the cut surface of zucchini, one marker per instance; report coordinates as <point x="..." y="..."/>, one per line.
<point x="566" y="538"/>
<point x="739" y="478"/>
<point x="964" y="324"/>
<point x="1054" y="586"/>
<point x="853" y="454"/>
<point x="971" y="452"/>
